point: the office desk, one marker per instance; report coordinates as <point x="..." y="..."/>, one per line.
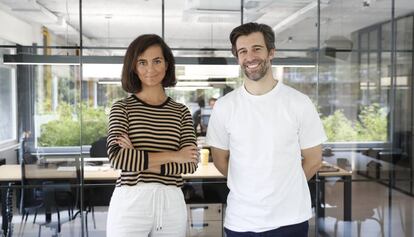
<point x="12" y="173"/>
<point x="346" y="176"/>
<point x="210" y="172"/>
<point x="204" y="172"/>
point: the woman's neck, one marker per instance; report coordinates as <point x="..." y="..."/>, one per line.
<point x="152" y="96"/>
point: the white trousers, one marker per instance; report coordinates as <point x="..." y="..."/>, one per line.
<point x="147" y="209"/>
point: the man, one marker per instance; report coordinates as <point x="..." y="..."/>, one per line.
<point x="266" y="138"/>
<point x="199" y="127"/>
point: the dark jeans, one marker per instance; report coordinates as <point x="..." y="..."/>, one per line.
<point x="296" y="230"/>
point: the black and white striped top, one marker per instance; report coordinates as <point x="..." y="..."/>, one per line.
<point x="165" y="127"/>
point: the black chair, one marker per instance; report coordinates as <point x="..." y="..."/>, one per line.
<point x="56" y="196"/>
<point x="373" y="209"/>
<point x="98" y="149"/>
<point x="31" y="198"/>
<point x="42" y="196"/>
<point x="48" y="197"/>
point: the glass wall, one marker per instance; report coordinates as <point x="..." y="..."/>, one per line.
<point x="7" y="102"/>
<point x="354" y="59"/>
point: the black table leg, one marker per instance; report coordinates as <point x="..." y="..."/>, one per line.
<point x="347" y="198"/>
<point x="321" y="205"/>
<point x="347" y="206"/>
<point x="4" y="223"/>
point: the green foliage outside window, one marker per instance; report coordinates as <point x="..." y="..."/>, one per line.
<point x="338" y="127"/>
<point x="65" y="131"/>
<point x="370" y="126"/>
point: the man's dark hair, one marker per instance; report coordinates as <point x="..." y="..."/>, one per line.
<point x="130" y="80"/>
<point x="252" y="27"/>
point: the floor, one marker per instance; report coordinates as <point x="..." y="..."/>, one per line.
<point x="370" y="210"/>
<point x="372" y="213"/>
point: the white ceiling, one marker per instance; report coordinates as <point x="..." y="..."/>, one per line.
<point x="203" y="23"/>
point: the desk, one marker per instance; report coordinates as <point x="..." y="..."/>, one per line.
<point x="210" y="172"/>
<point x="204" y="172"/>
<point x="346" y="176"/>
<point x="12" y="173"/>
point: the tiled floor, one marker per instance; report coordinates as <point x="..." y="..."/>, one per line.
<point x="370" y="208"/>
<point x="69" y="228"/>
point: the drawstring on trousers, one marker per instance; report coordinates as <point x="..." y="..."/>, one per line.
<point x="159" y="203"/>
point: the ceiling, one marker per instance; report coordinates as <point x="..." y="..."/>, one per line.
<point x="202" y="23"/>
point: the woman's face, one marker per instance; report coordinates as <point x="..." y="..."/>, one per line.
<point x="151" y="67"/>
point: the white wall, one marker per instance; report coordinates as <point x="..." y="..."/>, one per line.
<point x="9" y="153"/>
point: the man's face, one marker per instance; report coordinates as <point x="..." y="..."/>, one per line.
<point x="253" y="56"/>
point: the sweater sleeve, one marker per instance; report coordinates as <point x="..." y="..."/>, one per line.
<point x="187" y="138"/>
<point x="126" y="159"/>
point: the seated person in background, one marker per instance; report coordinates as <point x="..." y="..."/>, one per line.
<point x="98" y="148"/>
<point x="202" y="116"/>
<point x="199" y="128"/>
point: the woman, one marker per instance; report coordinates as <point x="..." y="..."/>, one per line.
<point x="152" y="141"/>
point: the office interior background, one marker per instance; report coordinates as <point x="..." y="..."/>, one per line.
<point x="60" y="70"/>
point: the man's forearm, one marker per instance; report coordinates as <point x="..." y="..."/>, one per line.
<point x="310" y="169"/>
<point x="220" y="159"/>
<point x="312" y="160"/>
<point x="222" y="166"/>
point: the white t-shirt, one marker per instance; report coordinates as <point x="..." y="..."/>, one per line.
<point x="265" y="135"/>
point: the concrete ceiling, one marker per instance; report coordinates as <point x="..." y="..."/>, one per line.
<point x="202" y="23"/>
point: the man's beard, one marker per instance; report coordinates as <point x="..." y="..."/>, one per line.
<point x="259" y="73"/>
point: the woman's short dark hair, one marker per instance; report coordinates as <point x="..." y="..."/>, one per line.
<point x="247" y="29"/>
<point x="130" y="80"/>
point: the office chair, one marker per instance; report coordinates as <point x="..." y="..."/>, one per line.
<point x="47" y="197"/>
<point x="55" y="196"/>
<point x="98" y="149"/>
<point x="373" y="210"/>
<point x="38" y="195"/>
<point x="365" y="216"/>
<point x="8" y="232"/>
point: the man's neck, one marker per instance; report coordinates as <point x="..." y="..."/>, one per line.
<point x="261" y="86"/>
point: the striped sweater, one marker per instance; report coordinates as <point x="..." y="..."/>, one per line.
<point x="165" y="127"/>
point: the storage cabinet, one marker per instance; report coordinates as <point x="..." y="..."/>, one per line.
<point x="205" y="220"/>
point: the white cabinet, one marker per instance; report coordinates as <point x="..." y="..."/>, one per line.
<point x="205" y="220"/>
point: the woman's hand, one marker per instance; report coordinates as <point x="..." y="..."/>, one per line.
<point x="187" y="154"/>
<point x="124" y="141"/>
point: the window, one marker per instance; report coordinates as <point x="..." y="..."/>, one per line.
<point x="7" y="104"/>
